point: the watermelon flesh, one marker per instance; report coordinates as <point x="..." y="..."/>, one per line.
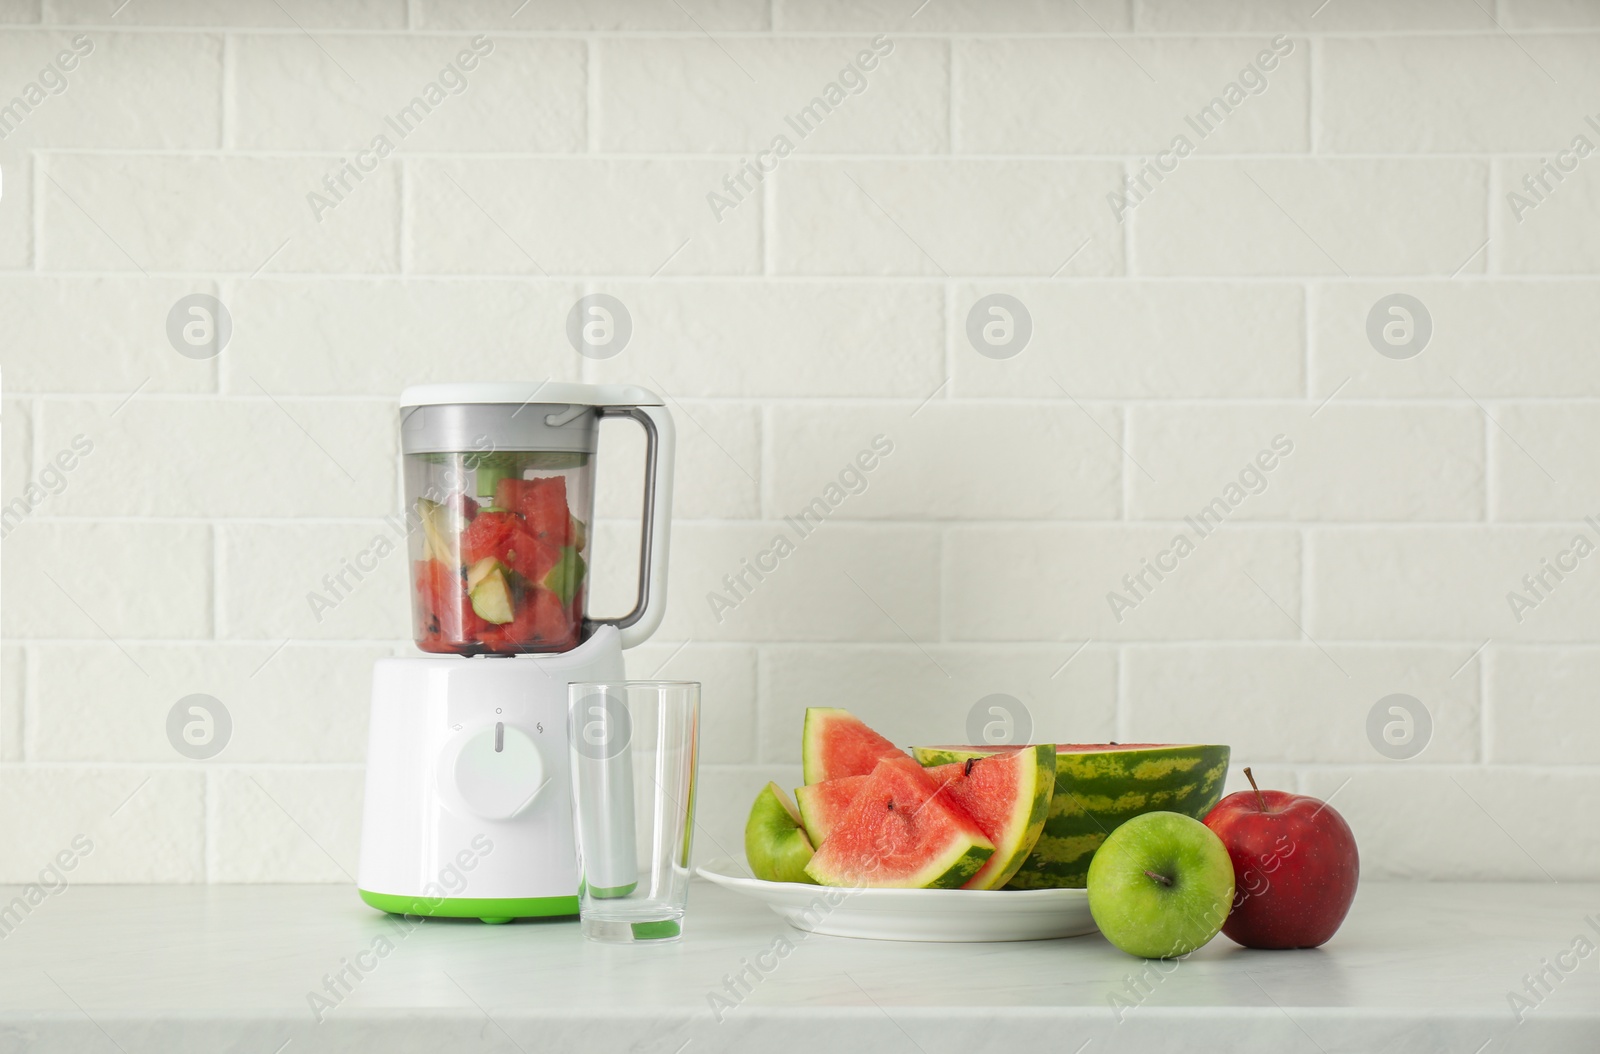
<point x="1098" y="786"/>
<point x="821" y="804"/>
<point x="836" y="743"/>
<point x="444" y="614"/>
<point x="542" y="504"/>
<point x="1008" y="797"/>
<point x="900" y="833"/>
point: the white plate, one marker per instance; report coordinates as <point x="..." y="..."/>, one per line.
<point x="914" y="914"/>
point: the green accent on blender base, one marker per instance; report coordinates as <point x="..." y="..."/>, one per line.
<point x="612" y="892"/>
<point x="492" y="910"/>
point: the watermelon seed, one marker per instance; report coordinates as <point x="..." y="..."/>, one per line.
<point x="968" y="770"/>
<point x="891" y="805"/>
<point x="1158" y="877"/>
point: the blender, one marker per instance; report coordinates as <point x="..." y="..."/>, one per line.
<point x="467" y="811"/>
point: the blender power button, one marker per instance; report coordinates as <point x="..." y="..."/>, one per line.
<point x="496" y="771"/>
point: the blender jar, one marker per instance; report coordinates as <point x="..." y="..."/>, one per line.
<point x="500" y="502"/>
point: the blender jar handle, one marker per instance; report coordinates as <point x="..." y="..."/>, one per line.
<point x="637" y="625"/>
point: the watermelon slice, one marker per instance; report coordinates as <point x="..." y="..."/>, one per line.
<point x="1008" y="796"/>
<point x="900" y="833"/>
<point x="836" y="743"/>
<point x="1097" y="787"/>
<point x="821" y="804"/>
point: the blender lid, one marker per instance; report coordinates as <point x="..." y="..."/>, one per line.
<point x="547" y="416"/>
<point x="519" y="393"/>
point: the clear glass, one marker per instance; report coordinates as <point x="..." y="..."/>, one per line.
<point x="499" y="545"/>
<point x="635" y="749"/>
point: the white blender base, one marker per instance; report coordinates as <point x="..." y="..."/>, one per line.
<point x="468" y="805"/>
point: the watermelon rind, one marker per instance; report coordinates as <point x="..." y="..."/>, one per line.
<point x="1096" y="790"/>
<point x="811" y="755"/>
<point x="1018" y="835"/>
<point x="948" y="870"/>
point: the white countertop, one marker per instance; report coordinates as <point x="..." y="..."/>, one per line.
<point x="174" y="969"/>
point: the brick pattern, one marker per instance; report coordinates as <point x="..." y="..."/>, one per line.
<point x="1213" y="497"/>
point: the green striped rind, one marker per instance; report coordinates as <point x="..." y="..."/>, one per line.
<point x="949" y="870"/>
<point x="1038" y="816"/>
<point x="964" y="868"/>
<point x="1096" y="791"/>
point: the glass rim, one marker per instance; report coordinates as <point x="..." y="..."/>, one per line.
<point x="632" y="684"/>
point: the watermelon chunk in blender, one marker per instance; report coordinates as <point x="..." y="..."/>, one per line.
<point x="542" y="504"/>
<point x="444" y="614"/>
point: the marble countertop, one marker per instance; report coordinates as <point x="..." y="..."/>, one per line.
<point x="174" y="969"/>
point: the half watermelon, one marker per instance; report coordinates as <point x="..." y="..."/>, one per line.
<point x="837" y="743"/>
<point x="1008" y="797"/>
<point x="900" y="833"/>
<point x="1098" y="786"/>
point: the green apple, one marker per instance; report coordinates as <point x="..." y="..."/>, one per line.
<point x="439" y="536"/>
<point x="774" y="841"/>
<point x="1161" y="885"/>
<point x="490" y="592"/>
<point x="564" y="578"/>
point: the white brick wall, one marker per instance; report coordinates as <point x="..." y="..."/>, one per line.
<point x="825" y="305"/>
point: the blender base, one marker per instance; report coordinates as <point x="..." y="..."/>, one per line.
<point x="468" y="802"/>
<point x="492" y="910"/>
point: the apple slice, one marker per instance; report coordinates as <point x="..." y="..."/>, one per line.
<point x="490" y="592"/>
<point x="774" y="842"/>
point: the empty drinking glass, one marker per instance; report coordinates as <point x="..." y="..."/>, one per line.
<point x="634" y="747"/>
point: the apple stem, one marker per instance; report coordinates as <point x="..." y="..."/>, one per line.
<point x="1159" y="877"/>
<point x="1259" y="799"/>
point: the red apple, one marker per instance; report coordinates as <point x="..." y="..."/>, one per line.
<point x="1294" y="867"/>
